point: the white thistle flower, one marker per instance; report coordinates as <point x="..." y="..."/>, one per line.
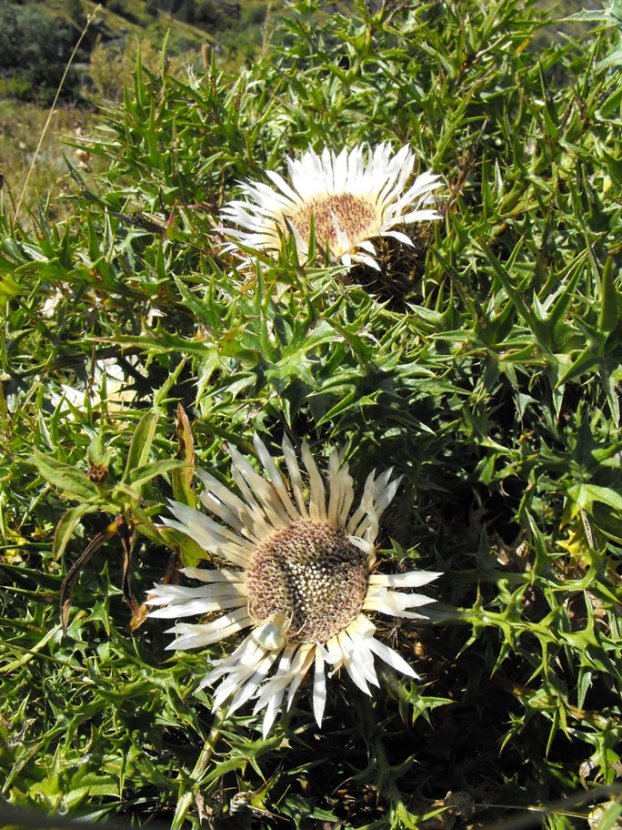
<point x="118" y="394"/>
<point x="299" y="575"/>
<point x="347" y="199"/>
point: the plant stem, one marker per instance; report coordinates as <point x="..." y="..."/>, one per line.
<point x="387" y="786"/>
<point x="185" y="801"/>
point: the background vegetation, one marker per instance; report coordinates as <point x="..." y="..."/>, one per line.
<point x="486" y="367"/>
<point x="37" y="40"/>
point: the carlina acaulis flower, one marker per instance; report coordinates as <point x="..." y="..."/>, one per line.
<point x="299" y="574"/>
<point x="348" y="199"/>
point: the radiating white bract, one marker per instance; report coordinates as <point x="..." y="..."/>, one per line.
<point x="119" y="393"/>
<point x="274" y="517"/>
<point x="348" y="199"/>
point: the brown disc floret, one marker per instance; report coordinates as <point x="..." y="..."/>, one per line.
<point x="312" y="574"/>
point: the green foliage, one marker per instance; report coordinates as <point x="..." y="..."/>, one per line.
<point x="486" y="370"/>
<point x="609" y="16"/>
<point x="36" y="40"/>
<point x="33" y="54"/>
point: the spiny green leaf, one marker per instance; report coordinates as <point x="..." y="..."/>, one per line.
<point x="74" y="483"/>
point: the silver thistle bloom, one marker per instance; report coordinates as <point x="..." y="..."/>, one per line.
<point x="299" y="575"/>
<point x="348" y="199"/>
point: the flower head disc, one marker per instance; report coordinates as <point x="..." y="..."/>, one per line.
<point x="311" y="574"/>
<point x="342" y="200"/>
<point x="301" y="580"/>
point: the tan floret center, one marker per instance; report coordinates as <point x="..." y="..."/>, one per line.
<point x="354" y="216"/>
<point x="312" y="574"/>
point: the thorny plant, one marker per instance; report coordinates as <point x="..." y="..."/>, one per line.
<point x="485" y="368"/>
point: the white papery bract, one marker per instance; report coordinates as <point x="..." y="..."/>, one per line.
<point x="297" y="572"/>
<point x="346" y="200"/>
<point x="119" y="392"/>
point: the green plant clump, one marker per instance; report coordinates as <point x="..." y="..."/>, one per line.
<point x="483" y="366"/>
